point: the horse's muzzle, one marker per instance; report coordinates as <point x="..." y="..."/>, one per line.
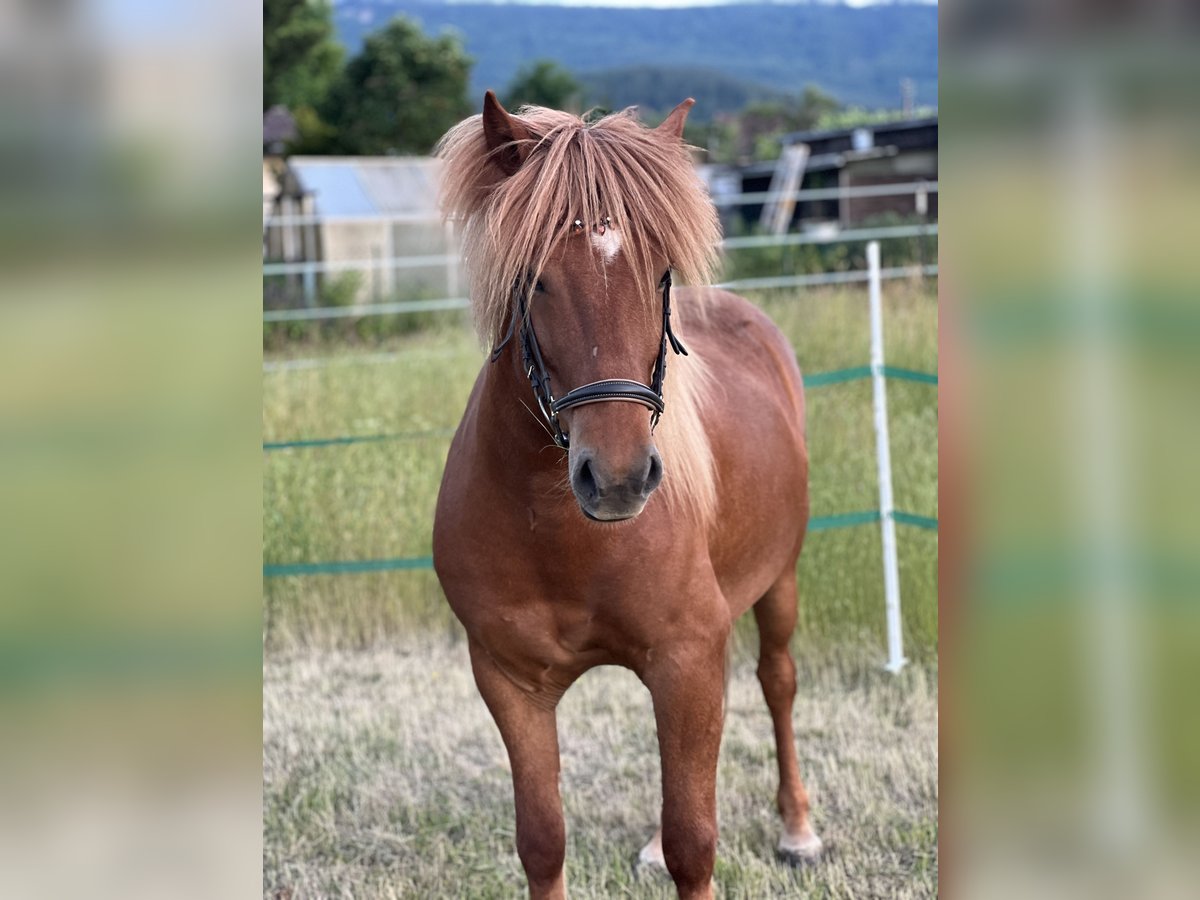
<point x="608" y="496"/>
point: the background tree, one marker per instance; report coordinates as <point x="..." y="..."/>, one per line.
<point x="400" y="94"/>
<point x="760" y="125"/>
<point x="544" y="83"/>
<point x="814" y="103"/>
<point x="856" y="116"/>
<point x="301" y="56"/>
<point x="301" y="62"/>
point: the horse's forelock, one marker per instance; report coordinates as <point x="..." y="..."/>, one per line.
<point x="615" y="167"/>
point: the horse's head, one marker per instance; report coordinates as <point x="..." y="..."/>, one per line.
<point x="587" y="219"/>
<point x="597" y="318"/>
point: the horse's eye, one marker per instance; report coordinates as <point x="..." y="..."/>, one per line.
<point x="539" y="288"/>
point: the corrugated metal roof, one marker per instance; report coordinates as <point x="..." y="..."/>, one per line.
<point x="367" y="186"/>
<point x="400" y="188"/>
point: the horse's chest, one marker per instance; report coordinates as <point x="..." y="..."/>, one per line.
<point x="548" y="592"/>
<point x="542" y="648"/>
<point x="553" y="617"/>
<point x="553" y="622"/>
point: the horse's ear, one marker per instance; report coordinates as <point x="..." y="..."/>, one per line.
<point x="672" y="125"/>
<point x="505" y="135"/>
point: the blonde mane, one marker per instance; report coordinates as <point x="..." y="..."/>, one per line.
<point x="689" y="471"/>
<point x="615" y="167"/>
<point x="645" y="183"/>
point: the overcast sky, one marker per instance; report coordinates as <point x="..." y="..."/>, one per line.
<point x="662" y="3"/>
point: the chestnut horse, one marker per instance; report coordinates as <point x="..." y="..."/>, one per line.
<point x="571" y="532"/>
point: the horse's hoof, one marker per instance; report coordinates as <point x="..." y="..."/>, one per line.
<point x="801" y="850"/>
<point x="650" y="870"/>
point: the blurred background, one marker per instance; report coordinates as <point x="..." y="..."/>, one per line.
<point x="130" y="497"/>
<point x="1070" y="586"/>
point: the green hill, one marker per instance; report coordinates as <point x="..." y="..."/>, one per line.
<point x="656" y="89"/>
<point x="857" y="54"/>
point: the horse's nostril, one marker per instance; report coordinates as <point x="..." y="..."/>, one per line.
<point x="654" y="473"/>
<point x="585" y="482"/>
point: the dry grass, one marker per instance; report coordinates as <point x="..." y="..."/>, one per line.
<point x="385" y="777"/>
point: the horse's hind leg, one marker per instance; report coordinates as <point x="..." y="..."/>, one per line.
<point x="775" y="614"/>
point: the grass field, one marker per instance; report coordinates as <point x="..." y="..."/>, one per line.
<point x="384" y="777"/>
<point x="383" y="774"/>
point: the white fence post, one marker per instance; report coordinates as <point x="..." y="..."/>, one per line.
<point x="883" y="451"/>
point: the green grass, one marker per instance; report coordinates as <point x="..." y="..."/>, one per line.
<point x="376" y="500"/>
<point x="385" y="777"/>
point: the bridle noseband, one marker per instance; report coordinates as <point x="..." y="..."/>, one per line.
<point x="609" y="389"/>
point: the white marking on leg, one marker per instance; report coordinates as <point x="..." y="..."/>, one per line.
<point x="805" y="845"/>
<point x="652" y="854"/>
<point x="607" y="242"/>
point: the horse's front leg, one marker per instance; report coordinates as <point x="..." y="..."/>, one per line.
<point x="687" y="685"/>
<point x="527" y="725"/>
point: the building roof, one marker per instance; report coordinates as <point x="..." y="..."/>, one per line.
<point x="906" y="135"/>
<point x="821" y="163"/>
<point x="832" y="149"/>
<point x="368" y="185"/>
<point x="882" y="131"/>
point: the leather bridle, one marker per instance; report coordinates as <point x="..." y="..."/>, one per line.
<point x="609" y="389"/>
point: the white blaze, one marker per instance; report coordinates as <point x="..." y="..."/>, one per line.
<point x="608" y="243"/>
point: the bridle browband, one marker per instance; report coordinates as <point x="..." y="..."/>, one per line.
<point x="609" y="389"/>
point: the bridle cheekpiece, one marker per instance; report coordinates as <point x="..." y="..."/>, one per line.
<point x="609" y="389"/>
